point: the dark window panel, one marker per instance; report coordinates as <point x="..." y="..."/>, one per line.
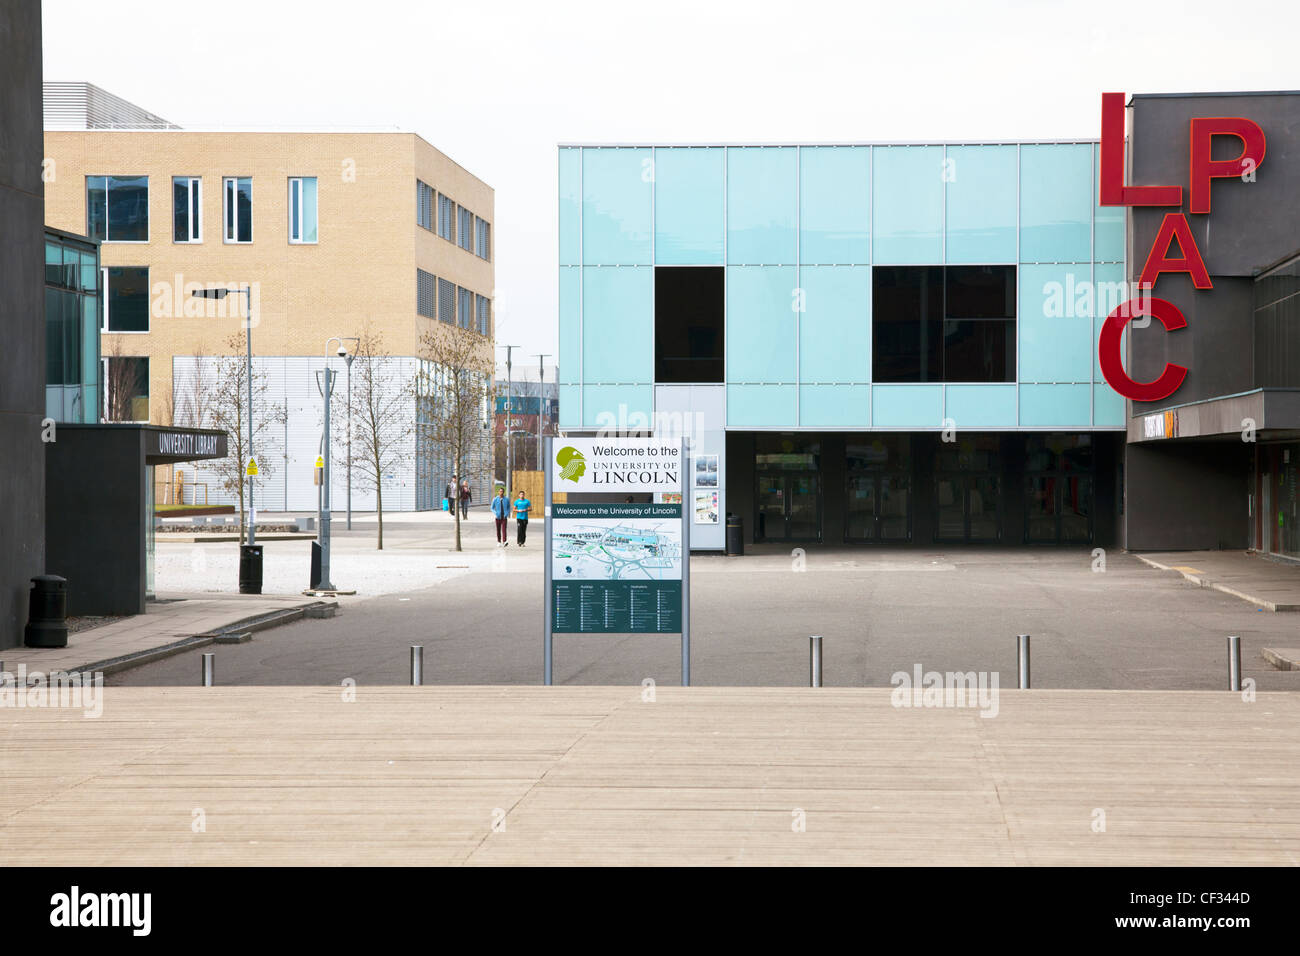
<point x="907" y="324"/>
<point x="97" y="207"/>
<point x="128" y="299"/>
<point x="689" y="324"/>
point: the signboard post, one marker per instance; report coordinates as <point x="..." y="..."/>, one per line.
<point x="615" y="566"/>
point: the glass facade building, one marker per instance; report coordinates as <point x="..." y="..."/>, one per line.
<point x="72" y="319"/>
<point x="879" y="341"/>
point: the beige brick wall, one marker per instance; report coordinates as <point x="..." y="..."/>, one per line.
<point x="361" y="270"/>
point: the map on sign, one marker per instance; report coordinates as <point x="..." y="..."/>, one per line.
<point x="617" y="549"/>
<point x="616" y="543"/>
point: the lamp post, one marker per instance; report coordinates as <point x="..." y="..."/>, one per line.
<point x="509" y="421"/>
<point x="347" y="358"/>
<point x="248" y="328"/>
<point x="541" y="401"/>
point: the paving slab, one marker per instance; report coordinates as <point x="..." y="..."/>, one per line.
<point x="1270" y="584"/>
<point x="174" y="623"/>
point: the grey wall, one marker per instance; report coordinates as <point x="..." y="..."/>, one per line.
<point x="1250" y="226"/>
<point x="97" y="541"/>
<point x="22" y="324"/>
<point x="1187" y="496"/>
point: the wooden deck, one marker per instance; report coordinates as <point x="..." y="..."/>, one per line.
<point x="703" y="775"/>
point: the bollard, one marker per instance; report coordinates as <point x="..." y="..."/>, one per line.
<point x="4" y="675"/>
<point x="815" y="661"/>
<point x="1234" y="664"/>
<point x="208" y="663"/>
<point x="417" y="665"/>
<point x="1022" y="653"/>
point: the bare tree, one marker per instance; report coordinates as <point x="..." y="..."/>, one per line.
<point x="191" y="401"/>
<point x="227" y="410"/>
<point x="123" y="383"/>
<point x="381" y="414"/>
<point x="451" y="397"/>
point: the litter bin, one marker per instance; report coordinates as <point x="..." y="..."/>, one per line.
<point x="315" y="566"/>
<point x="250" y="569"/>
<point x="47" y="608"/>
<point x="735" y="535"/>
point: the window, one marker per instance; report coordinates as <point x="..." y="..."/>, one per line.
<point x="302" y="210"/>
<point x="484" y="306"/>
<point x="937" y="324"/>
<point x="424" y="294"/>
<point x="126" y="299"/>
<point x="482" y="239"/>
<point x="464" y="229"/>
<point x="126" y="388"/>
<point x="689" y="324"/>
<point x="187" y="209"/>
<point x="238" y="208"/>
<point x="117" y="208"/>
<point x="424" y="205"/>
<point x="465" y="314"/>
<point x="446" y="218"/>
<point x="446" y="302"/>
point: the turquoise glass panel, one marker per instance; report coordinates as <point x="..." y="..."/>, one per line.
<point x="616" y="201"/>
<point x="1108" y="228"/>
<point x="689" y="206"/>
<point x="835" y="204"/>
<point x="570" y="206"/>
<point x="617" y="407"/>
<point x="570" y="409"/>
<point x="835" y="326"/>
<point x="1110" y="292"/>
<point x="907" y="205"/>
<point x="761" y="206"/>
<point x="760" y="332"/>
<point x="618" y="325"/>
<point x="570" y="324"/>
<point x="1056" y="202"/>
<point x="761" y="406"/>
<point x="982" y="406"/>
<point x="1055" y="406"/>
<point x="1107" y="407"/>
<point x="1055" y="326"/>
<point x="907" y="406"/>
<point x="835" y="406"/>
<point x="981" y="198"/>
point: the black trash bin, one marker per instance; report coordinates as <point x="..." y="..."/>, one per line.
<point x="735" y="535"/>
<point x="315" y="566"/>
<point x="250" y="569"/>
<point x="47" y="612"/>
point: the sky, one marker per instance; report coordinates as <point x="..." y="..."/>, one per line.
<point x="498" y="86"/>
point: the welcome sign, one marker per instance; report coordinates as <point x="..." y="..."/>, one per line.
<point x="616" y="465"/>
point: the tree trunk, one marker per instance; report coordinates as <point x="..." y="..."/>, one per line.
<point x="379" y="510"/>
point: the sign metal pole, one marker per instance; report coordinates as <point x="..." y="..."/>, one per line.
<point x="546" y="560"/>
<point x="686" y="566"/>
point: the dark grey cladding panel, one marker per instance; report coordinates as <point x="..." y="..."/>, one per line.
<point x="1250" y="225"/>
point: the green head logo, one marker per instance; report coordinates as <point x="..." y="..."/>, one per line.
<point x="572" y="465"/>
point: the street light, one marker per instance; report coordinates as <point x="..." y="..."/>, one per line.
<point x="347" y="358"/>
<point x="541" y="400"/>
<point x="248" y="327"/>
<point x="509" y="395"/>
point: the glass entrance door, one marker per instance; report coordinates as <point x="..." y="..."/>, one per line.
<point x="789" y="507"/>
<point x="878" y="508"/>
<point x="968" y="508"/>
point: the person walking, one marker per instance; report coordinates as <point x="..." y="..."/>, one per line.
<point x="522" y="504"/>
<point x="450" y="494"/>
<point x="465" y="498"/>
<point x="501" y="512"/>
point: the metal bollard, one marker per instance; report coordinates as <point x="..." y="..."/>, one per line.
<point x="209" y="661"/>
<point x="4" y="676"/>
<point x="1234" y="664"/>
<point x="417" y="665"/>
<point x="1022" y="655"/>
<point x="815" y="661"/>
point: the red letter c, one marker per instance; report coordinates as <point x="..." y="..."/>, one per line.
<point x="1112" y="361"/>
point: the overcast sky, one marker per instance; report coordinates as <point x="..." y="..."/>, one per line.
<point x="496" y="86"/>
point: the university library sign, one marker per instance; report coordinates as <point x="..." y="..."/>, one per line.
<point x="1202" y="170"/>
